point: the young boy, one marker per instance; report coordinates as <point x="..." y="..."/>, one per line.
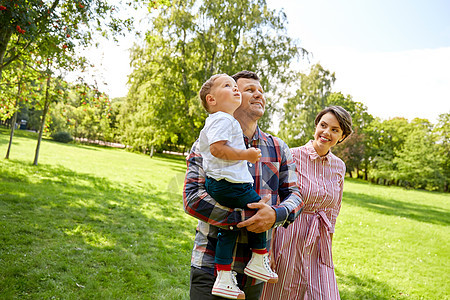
<point x="229" y="182"/>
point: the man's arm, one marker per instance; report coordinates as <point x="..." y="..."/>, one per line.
<point x="289" y="191"/>
<point x="202" y="206"/>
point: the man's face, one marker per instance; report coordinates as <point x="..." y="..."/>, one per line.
<point x="253" y="101"/>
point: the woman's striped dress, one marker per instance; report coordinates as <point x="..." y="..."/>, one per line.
<point x="302" y="251"/>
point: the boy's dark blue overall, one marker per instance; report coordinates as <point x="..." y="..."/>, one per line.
<point x="233" y="195"/>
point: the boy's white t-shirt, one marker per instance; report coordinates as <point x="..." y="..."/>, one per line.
<point x="221" y="126"/>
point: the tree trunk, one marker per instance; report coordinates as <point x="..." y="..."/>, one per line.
<point x="13" y="125"/>
<point x="44" y="114"/>
<point x="151" y="151"/>
<point x="14" y="119"/>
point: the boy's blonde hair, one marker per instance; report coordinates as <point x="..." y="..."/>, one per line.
<point x="206" y="89"/>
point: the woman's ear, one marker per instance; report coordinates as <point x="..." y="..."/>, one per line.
<point x="342" y="139"/>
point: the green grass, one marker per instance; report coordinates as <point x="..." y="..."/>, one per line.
<point x="97" y="223"/>
<point x="392" y="243"/>
<point x="91" y="223"/>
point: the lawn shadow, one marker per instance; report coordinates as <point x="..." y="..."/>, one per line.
<point x="73" y="144"/>
<point x="170" y="157"/>
<point x="352" y="287"/>
<point x="5" y="140"/>
<point x="416" y="211"/>
<point x="178" y="169"/>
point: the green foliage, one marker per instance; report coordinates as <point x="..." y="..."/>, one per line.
<point x="410" y="154"/>
<point x="298" y="126"/>
<point x="417" y="162"/>
<point x="442" y="135"/>
<point x="314" y="94"/>
<point x="54" y="27"/>
<point x="387" y="139"/>
<point x="189" y="42"/>
<point x="63" y="137"/>
<point x="84" y="112"/>
<point x="17" y="89"/>
<point x="391" y="152"/>
<point x="353" y="151"/>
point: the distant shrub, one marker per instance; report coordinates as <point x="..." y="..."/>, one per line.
<point x="62" y="136"/>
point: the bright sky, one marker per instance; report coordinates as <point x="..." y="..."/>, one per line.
<point x="393" y="56"/>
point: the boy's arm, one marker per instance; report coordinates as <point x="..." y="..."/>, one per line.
<point x="202" y="206"/>
<point x="221" y="150"/>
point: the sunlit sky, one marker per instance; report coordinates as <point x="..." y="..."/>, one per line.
<point x="393" y="56"/>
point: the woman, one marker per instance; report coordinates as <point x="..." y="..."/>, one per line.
<point x="302" y="252"/>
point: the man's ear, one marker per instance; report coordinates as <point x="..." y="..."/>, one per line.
<point x="210" y="100"/>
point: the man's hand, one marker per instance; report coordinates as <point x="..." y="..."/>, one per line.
<point x="253" y="154"/>
<point x="264" y="218"/>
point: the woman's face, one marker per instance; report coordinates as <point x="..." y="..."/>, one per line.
<point x="328" y="133"/>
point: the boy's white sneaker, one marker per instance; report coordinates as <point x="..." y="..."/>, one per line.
<point x="226" y="286"/>
<point x="259" y="267"/>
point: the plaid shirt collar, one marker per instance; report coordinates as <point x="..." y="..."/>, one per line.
<point x="258" y="135"/>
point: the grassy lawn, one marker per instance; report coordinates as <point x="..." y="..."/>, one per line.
<point x="97" y="223"/>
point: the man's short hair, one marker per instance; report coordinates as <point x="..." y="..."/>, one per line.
<point x="206" y="89"/>
<point x="245" y="74"/>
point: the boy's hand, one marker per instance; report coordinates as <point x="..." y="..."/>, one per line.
<point x="253" y="154"/>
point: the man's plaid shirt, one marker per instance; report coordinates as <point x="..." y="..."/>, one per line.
<point x="274" y="175"/>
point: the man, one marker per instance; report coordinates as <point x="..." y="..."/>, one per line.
<point x="274" y="180"/>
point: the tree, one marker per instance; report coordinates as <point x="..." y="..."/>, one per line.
<point x="52" y="30"/>
<point x="442" y="135"/>
<point x="190" y="41"/>
<point x="18" y="87"/>
<point x="352" y="151"/>
<point x="386" y="139"/>
<point x="25" y="25"/>
<point x="418" y="163"/>
<point x="355" y="150"/>
<point x="298" y="127"/>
